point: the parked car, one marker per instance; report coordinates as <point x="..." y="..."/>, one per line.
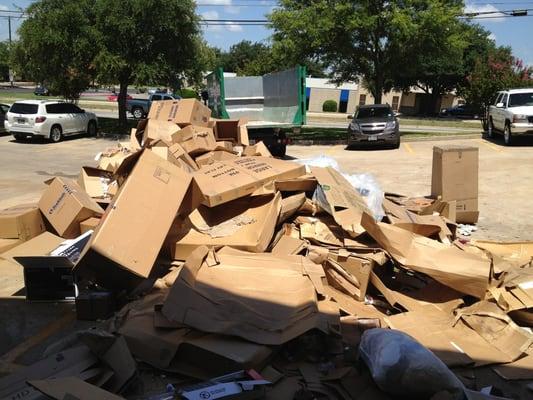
<point x="3" y="111"/>
<point x="41" y="91"/>
<point x="511" y="114"/>
<point x="139" y="108"/>
<point x="460" y="111"/>
<point x="114" y="97"/>
<point x="52" y="120"/>
<point x="159" y="91"/>
<point x="374" y="124"/>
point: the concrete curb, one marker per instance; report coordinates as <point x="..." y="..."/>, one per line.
<point x="326" y="142"/>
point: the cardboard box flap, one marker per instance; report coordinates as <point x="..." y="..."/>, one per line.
<point x="71" y="388"/>
<point x="97" y="183"/>
<point x="340" y="199"/>
<point x="446" y="264"/>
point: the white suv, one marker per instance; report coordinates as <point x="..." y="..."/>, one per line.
<point x="49" y="119"/>
<point x="512" y="114"/>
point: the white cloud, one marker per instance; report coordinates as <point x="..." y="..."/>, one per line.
<point x="233" y="9"/>
<point x="484" y="8"/>
<point x="3" y="7"/>
<point x="230" y="26"/>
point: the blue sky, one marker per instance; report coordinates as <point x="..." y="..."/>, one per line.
<point x="516" y="32"/>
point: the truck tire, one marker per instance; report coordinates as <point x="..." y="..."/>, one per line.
<point x="137" y="112"/>
<point x="507" y="136"/>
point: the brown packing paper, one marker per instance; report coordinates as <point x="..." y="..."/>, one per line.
<point x="125" y="245"/>
<point x="21" y="222"/>
<point x="64" y="204"/>
<point x="341" y="200"/>
<point x="246" y="224"/>
<point x="447" y="264"/>
<point x="239" y="294"/>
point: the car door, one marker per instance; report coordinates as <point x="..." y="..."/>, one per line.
<point x="503" y="112"/>
<point x="80" y="118"/>
<point x="496" y="112"/>
<point x="71" y="118"/>
<point x="3" y="112"/>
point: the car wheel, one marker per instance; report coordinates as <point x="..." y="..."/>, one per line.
<point x="56" y="134"/>
<point x="507" y="137"/>
<point x="91" y="129"/>
<point x="137" y="113"/>
<point x="490" y="129"/>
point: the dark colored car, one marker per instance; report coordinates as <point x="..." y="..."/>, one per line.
<point x="4" y="108"/>
<point x="41" y="91"/>
<point x="460" y="111"/>
<point x="374" y="124"/>
<point x="140" y="108"/>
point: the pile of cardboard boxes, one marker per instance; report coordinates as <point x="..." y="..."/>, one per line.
<point x="207" y="257"/>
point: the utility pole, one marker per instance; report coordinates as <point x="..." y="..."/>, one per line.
<point x="10" y="70"/>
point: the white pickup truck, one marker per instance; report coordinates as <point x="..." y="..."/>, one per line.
<point x="511" y="114"/>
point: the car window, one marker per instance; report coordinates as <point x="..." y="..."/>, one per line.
<point x="374" y="112"/>
<point x="156" y="97"/>
<point x="55" y="108"/>
<point x="504" y="99"/>
<point x="24" y="108"/>
<point x="521" y="99"/>
<point x="4" y="108"/>
<point x="168" y="98"/>
<point x="71" y="108"/>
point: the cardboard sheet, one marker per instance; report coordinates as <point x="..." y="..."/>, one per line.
<point x="446" y="264"/>
<point x="239" y="295"/>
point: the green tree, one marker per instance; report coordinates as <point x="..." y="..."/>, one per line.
<point x="4" y="61"/>
<point x="147" y="41"/>
<point x="494" y="71"/>
<point x="364" y="41"/>
<point x="57" y="45"/>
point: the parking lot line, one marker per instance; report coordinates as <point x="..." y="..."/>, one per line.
<point x="490" y="145"/>
<point x="408" y="147"/>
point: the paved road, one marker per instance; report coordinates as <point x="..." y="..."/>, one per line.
<point x="504" y="186"/>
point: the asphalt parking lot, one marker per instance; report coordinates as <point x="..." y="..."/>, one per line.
<point x="504" y="174"/>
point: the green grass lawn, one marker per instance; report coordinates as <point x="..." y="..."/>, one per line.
<point x="451" y="123"/>
<point x="9" y="98"/>
<point x="110" y="126"/>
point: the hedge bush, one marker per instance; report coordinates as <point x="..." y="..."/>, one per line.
<point x="187" y="93"/>
<point x="329" y="106"/>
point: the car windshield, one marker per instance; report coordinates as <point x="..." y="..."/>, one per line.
<point x="373" y="112"/>
<point x="24" y="108"/>
<point x="521" y="99"/>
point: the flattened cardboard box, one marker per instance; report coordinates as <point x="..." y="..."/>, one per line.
<point x="127" y="241"/>
<point x="245" y="224"/>
<point x="195" y="140"/>
<point x="21" y="222"/>
<point x="224" y="181"/>
<point x="213" y="156"/>
<point x="182" y="112"/>
<point x="455" y="172"/>
<point x="65" y="204"/>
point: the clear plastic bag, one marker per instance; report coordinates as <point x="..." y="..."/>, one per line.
<point x="403" y="367"/>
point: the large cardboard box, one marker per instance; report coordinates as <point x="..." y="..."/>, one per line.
<point x="129" y="237"/>
<point x="195" y="140"/>
<point x="224" y="181"/>
<point x="182" y="112"/>
<point x="455" y="177"/>
<point x="233" y="130"/>
<point x="21" y="222"/>
<point x="98" y="183"/>
<point x="245" y="224"/>
<point x="65" y="204"/>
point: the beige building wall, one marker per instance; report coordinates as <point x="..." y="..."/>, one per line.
<point x="385" y="99"/>
<point x="318" y="96"/>
<point x="408" y="100"/>
<point x="353" y="101"/>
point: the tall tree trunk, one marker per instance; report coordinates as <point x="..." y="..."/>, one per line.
<point x="123" y="92"/>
